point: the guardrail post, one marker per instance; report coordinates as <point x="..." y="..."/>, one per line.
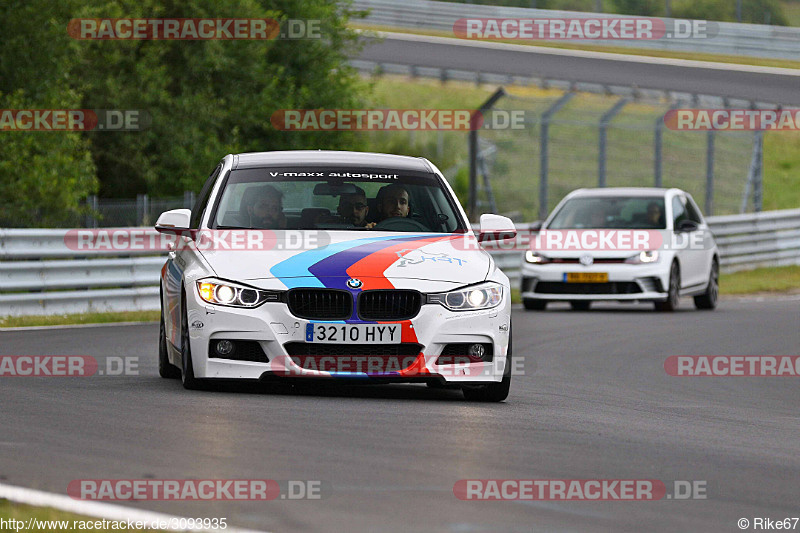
<point x="544" y="135"/>
<point x="710" y="173"/>
<point x="605" y="120"/>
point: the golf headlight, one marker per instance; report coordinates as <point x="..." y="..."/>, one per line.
<point x="483" y="296"/>
<point x="643" y="258"/>
<point x="232" y="295"/>
<point x="535" y="257"/>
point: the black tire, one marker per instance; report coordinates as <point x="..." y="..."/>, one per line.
<point x="708" y="300"/>
<point x="187" y="372"/>
<point x="673" y="300"/>
<point x="165" y="369"/>
<point x="492" y="392"/>
<point x="580" y="305"/>
<point x="534" y="305"/>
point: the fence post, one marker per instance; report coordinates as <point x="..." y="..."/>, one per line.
<point x="710" y="173"/>
<point x="543" y="159"/>
<point x="91" y="217"/>
<point x="753" y="176"/>
<point x="475" y="122"/>
<point x="658" y="150"/>
<point x="658" y="135"/>
<point x="139" y="208"/>
<point x="758" y="199"/>
<point x="605" y="120"/>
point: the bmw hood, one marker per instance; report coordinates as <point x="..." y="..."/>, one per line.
<point x="378" y="260"/>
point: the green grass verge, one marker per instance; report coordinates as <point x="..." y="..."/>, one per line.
<point x="691" y="56"/>
<point x="10" y="510"/>
<point x="791" y="9"/>
<point x="762" y="280"/>
<point x="770" y="280"/>
<point x="573" y="147"/>
<point x="88" y="318"/>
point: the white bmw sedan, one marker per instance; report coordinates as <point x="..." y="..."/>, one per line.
<point x="334" y="265"/>
<point x="622" y="244"/>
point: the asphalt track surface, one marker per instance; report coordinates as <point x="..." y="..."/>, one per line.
<point x="551" y="63"/>
<point x="594" y="403"/>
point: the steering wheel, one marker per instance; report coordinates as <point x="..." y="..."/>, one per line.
<point x="400" y="224"/>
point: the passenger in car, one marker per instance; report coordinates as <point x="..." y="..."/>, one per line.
<point x="353" y="208"/>
<point x="266" y="209"/>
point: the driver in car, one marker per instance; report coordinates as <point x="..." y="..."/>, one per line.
<point x="392" y="201"/>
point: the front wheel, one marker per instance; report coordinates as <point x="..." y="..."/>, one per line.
<point x="165" y="369"/>
<point x="492" y="392"/>
<point x="708" y="300"/>
<point x="674" y="291"/>
<point x="187" y="372"/>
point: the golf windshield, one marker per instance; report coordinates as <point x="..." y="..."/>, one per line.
<point x="618" y="212"/>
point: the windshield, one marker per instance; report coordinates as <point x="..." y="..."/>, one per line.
<point x="336" y="199"/>
<point x="631" y="212"/>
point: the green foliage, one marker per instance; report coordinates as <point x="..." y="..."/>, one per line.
<point x="460" y="185"/>
<point x="44" y="176"/>
<point x="754" y="11"/>
<point x="644" y="8"/>
<point x="211" y="98"/>
<point x="205" y="98"/>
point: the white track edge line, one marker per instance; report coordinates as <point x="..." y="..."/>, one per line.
<point x="95" y="509"/>
<point x="71" y="326"/>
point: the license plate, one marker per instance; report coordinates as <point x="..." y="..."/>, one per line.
<point x="349" y="333"/>
<point x="586" y="277"/>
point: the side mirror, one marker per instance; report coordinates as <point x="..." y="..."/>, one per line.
<point x="496" y="228"/>
<point x="175" y="221"/>
<point x="686" y="226"/>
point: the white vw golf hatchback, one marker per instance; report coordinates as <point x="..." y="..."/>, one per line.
<point x="622" y="244"/>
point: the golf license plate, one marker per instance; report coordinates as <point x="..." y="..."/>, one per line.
<point x="349" y="333"/>
<point x="586" y="277"/>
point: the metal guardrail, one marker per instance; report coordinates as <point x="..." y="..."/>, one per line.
<point x="756" y="40"/>
<point x="770" y="238"/>
<point x="62" y="280"/>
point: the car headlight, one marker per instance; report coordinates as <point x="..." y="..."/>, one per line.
<point x="536" y="257"/>
<point x="483" y="296"/>
<point x="649" y="256"/>
<point x="233" y="295"/>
